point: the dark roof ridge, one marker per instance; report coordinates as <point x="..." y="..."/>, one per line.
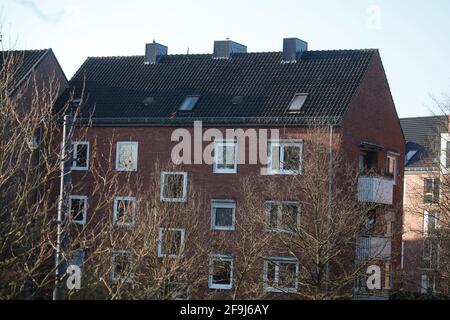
<point x="241" y="53"/>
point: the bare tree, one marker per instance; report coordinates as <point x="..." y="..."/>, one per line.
<point x="304" y="228"/>
<point x="29" y="163"/>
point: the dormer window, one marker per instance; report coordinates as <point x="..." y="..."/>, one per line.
<point x="297" y="102"/>
<point x="189" y="103"/>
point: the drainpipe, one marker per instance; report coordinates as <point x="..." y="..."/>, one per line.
<point x="62" y="239"/>
<point x="330" y="198"/>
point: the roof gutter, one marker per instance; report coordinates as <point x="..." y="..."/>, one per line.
<point x="208" y="121"/>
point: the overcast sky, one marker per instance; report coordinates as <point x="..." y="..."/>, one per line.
<point x="413" y="36"/>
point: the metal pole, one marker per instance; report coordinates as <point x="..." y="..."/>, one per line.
<point x="61" y="242"/>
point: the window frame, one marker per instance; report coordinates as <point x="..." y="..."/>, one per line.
<point x="161" y="254"/>
<point x="135" y="165"/>
<point x="428" y="216"/>
<point x="78" y="197"/>
<point x="75" y="145"/>
<point x="185" y="185"/>
<point x="115" y="218"/>
<point x="225" y="143"/>
<point x="283" y="144"/>
<point x="388" y="274"/>
<point x="279" y="227"/>
<point x="220" y="257"/>
<point x="298" y="96"/>
<point x="432" y="193"/>
<point x="112" y="275"/>
<point x="390" y="221"/>
<point x="392" y="156"/>
<point x="276" y="261"/>
<point x="222" y="204"/>
<point x="194" y="105"/>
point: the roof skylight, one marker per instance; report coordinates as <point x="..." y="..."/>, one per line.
<point x="297" y="102"/>
<point x="410" y="155"/>
<point x="189" y="103"/>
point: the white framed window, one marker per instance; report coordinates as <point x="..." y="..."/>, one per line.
<point x="171" y="243"/>
<point x="223" y="215"/>
<point x="432" y="190"/>
<point x="220" y="272"/>
<point x="430" y="223"/>
<point x="392" y="166"/>
<point x="124" y="211"/>
<point x="281" y="274"/>
<point x="122" y="266"/>
<point x="283" y="215"/>
<point x="285" y="157"/>
<point x="225" y="157"/>
<point x="126" y="156"/>
<point x="78" y="209"/>
<point x="176" y="290"/>
<point x="80" y="156"/>
<point x="173" y="186"/>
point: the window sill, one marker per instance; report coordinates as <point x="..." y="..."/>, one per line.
<point x="225" y="171"/>
<point x="213" y="228"/>
<point x="175" y="200"/>
<point x="126" y="170"/>
<point x="280" y="290"/>
<point x="283" y="173"/>
<point x="220" y="287"/>
<point x="124" y="225"/>
<point x="79" y="168"/>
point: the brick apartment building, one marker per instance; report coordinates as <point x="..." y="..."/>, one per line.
<point x="138" y="101"/>
<point x="426" y="160"/>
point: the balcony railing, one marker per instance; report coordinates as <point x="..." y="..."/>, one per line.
<point x="375" y="189"/>
<point x="370" y="247"/>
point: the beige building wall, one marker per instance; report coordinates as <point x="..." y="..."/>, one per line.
<point x="413" y="229"/>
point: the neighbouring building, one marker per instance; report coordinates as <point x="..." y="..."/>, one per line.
<point x="30" y="69"/>
<point x="426" y="158"/>
<point x="138" y="101"/>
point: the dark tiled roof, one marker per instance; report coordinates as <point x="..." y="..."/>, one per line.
<point x="423" y="135"/>
<point x="118" y="86"/>
<point x="23" y="63"/>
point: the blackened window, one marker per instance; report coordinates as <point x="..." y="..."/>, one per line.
<point x="78" y="209"/>
<point x="80" y="156"/>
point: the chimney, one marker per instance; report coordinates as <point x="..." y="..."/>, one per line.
<point x="153" y="52"/>
<point x="293" y="48"/>
<point x="224" y="49"/>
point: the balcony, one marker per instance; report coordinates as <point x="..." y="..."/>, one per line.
<point x="375" y="189"/>
<point x="372" y="247"/>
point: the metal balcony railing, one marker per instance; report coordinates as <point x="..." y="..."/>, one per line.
<point x="372" y="247"/>
<point x="375" y="189"/>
